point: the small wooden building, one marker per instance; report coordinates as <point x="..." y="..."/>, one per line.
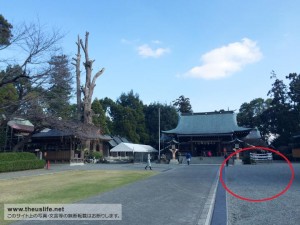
<point x="15" y="131"/>
<point x="64" y="146"/>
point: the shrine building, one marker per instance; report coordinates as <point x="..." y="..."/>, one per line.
<point x="216" y="132"/>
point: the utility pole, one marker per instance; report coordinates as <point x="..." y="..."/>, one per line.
<point x="159" y="134"/>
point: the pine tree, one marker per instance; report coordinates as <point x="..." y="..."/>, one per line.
<point x="60" y="90"/>
<point x="5" y="31"/>
<point x="99" y="119"/>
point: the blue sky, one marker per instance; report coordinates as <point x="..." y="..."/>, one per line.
<point x="217" y="53"/>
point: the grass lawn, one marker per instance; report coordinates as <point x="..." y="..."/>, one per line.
<point x="64" y="187"/>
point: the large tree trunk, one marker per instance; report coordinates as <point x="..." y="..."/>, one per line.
<point x="89" y="82"/>
<point x="85" y="106"/>
<point x="78" y="88"/>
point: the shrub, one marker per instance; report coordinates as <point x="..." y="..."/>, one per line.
<point x="97" y="155"/>
<point x="246" y="159"/>
<point x="15" y="156"/>
<point x="21" y="165"/>
<point x="16" y="161"/>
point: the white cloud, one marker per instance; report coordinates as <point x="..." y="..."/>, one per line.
<point x="156" y="42"/>
<point x="224" y="61"/>
<point x="146" y="51"/>
<point x="129" y="42"/>
<point x="125" y="41"/>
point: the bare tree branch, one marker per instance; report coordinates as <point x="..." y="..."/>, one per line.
<point x="90" y="82"/>
<point x="38" y="46"/>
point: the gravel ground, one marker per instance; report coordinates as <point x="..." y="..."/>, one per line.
<point x="258" y="182"/>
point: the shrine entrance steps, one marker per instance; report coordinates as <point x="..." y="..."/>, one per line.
<point x="206" y="160"/>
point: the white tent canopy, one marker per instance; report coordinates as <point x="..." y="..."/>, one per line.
<point x="129" y="147"/>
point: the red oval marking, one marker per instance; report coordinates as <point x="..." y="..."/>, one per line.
<point x="263" y="199"/>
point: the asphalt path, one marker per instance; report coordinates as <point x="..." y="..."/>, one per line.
<point x="219" y="216"/>
<point x="177" y="195"/>
<point x="182" y="194"/>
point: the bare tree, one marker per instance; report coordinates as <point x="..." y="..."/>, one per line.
<point x="33" y="46"/>
<point x="24" y="63"/>
<point x="90" y="82"/>
<point x="78" y="83"/>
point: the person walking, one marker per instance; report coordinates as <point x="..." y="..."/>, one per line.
<point x="188" y="158"/>
<point x="225" y="157"/>
<point x="148" y="162"/>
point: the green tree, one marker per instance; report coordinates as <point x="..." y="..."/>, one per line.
<point x="132" y="117"/>
<point x="99" y="118"/>
<point x="250" y="114"/>
<point x="124" y="123"/>
<point x="183" y="105"/>
<point x="279" y="119"/>
<point x="8" y="97"/>
<point x="107" y="104"/>
<point x="168" y="120"/>
<point x="294" y="90"/>
<point x="59" y="93"/>
<point x="294" y="95"/>
<point x="126" y="117"/>
<point x="5" y="31"/>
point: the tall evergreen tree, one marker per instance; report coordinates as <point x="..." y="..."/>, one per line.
<point x="107" y="104"/>
<point x="294" y="95"/>
<point x="279" y="118"/>
<point x="294" y="89"/>
<point x="8" y="95"/>
<point x="250" y="114"/>
<point x="99" y="118"/>
<point x="132" y="117"/>
<point x="5" y="32"/>
<point x="126" y="117"/>
<point x="168" y="120"/>
<point x="60" y="90"/>
<point x="183" y="104"/>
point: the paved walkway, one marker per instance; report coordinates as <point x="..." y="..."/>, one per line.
<point x="180" y="194"/>
<point x="219" y="216"/>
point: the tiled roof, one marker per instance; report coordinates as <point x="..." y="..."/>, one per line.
<point x="207" y="124"/>
<point x="21" y="125"/>
<point x="115" y="140"/>
<point x="50" y="133"/>
<point x="47" y="133"/>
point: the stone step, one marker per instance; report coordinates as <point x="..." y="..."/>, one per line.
<point x="205" y="160"/>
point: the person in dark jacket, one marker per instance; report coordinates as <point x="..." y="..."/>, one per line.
<point x="188" y="158"/>
<point x="225" y="157"/>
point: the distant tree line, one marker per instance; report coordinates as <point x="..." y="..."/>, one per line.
<point x="37" y="84"/>
<point x="277" y="117"/>
<point x="130" y="118"/>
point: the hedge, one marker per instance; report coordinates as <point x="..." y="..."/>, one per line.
<point x="16" y="161"/>
<point x="14" y="156"/>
